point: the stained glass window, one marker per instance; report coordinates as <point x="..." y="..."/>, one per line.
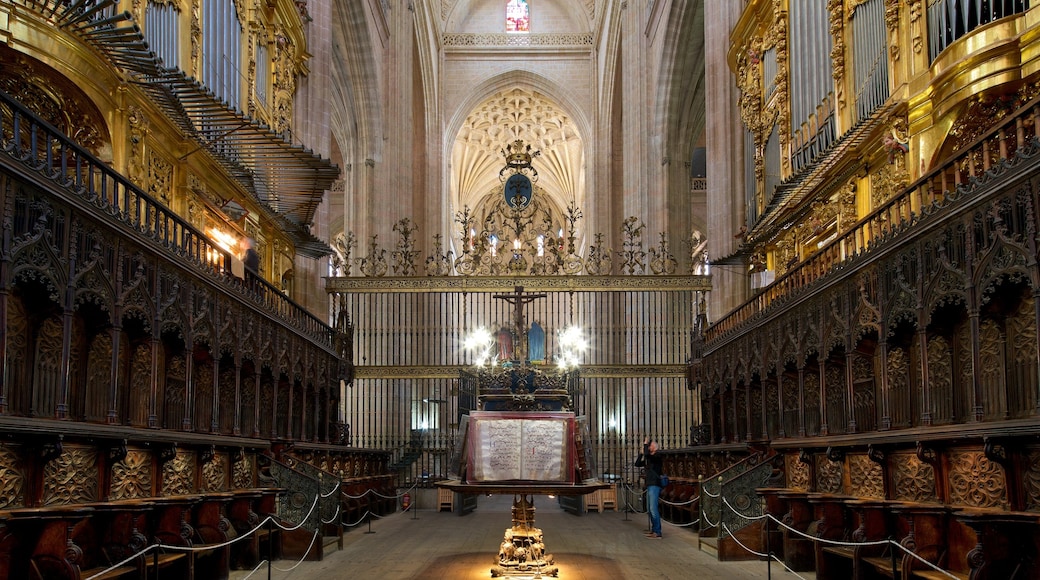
<point x="518" y="16"/>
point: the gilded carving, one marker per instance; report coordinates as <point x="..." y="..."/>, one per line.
<point x="912" y="479"/>
<point x="847" y="206"/>
<point x="828" y="475"/>
<point x="797" y="472"/>
<point x="71" y="478"/>
<point x="866" y="477"/>
<point x="975" y="480"/>
<point x="132" y="477"/>
<point x="214" y="473"/>
<point x="138" y="131"/>
<point x="55" y="99"/>
<point x="917" y="42"/>
<point x="835" y="8"/>
<point x="285" y="71"/>
<point x="196" y="37"/>
<point x="892" y="23"/>
<point x="178" y="474"/>
<point x="982" y="113"/>
<point x="12" y="478"/>
<point x="160" y="179"/>
<point x="888" y="180"/>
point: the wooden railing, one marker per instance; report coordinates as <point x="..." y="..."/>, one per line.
<point x="927" y="197"/>
<point x="44" y="150"/>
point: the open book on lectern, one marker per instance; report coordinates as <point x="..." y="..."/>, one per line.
<point x="519" y="449"/>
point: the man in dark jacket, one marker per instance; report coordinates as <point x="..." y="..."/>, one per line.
<point x="653" y="464"/>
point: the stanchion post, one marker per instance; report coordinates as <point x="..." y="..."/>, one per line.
<point x="892" y="550"/>
<point x="369" y="516"/>
<point x="155" y="562"/>
<point x="700" y="503"/>
<point x="270" y="546"/>
<point x="624" y="488"/>
<point x="769" y="553"/>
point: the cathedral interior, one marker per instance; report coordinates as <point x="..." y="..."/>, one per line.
<point x="265" y="266"/>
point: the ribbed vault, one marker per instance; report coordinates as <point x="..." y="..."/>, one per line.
<point x="506" y="116"/>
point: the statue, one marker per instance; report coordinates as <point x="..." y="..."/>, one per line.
<point x="894" y="144"/>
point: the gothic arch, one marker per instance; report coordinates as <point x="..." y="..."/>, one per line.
<point x="553" y="95"/>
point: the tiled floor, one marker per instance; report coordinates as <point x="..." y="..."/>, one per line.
<point x="432" y="545"/>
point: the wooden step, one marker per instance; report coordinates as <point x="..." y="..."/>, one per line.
<point x="709" y="546"/>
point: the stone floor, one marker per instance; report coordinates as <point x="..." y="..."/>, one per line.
<point x="441" y="545"/>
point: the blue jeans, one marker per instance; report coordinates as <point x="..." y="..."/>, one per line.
<point x="653" y="494"/>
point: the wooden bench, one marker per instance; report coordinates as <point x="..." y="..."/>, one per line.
<point x="831" y="521"/>
<point x="168" y="524"/>
<point x="1007" y="543"/>
<point x="798" y="551"/>
<point x="46" y="536"/>
<point x="211" y="559"/>
<point x="248" y="508"/>
<point x="112" y="534"/>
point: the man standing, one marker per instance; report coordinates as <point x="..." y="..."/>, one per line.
<point x="653" y="464"/>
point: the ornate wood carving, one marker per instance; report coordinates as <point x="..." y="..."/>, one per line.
<point x="866" y="477"/>
<point x="912" y="479"/>
<point x="1030" y="480"/>
<point x="132" y="476"/>
<point x="975" y="480"/>
<point x="12" y="477"/>
<point x="242" y="472"/>
<point x="72" y="477"/>
<point x="215" y="473"/>
<point x="178" y="474"/>
<point x="829" y="474"/>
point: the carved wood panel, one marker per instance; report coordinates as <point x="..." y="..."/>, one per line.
<point x="72" y="477"/>
<point x="797" y="472"/>
<point x="1031" y="479"/>
<point x="12" y="477"/>
<point x="242" y="473"/>
<point x="178" y="474"/>
<point x="215" y="473"/>
<point x="975" y="480"/>
<point x="866" y="477"/>
<point x="912" y="479"/>
<point x="829" y="475"/>
<point x="132" y="477"/>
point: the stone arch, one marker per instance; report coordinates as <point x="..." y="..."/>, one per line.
<point x="531" y="83"/>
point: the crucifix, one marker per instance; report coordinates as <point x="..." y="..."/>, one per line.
<point x="518" y="298"/>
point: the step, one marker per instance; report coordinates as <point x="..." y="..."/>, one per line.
<point x="709" y="546"/>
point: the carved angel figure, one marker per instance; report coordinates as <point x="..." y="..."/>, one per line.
<point x="894" y="144"/>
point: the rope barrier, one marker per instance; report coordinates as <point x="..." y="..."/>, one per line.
<point x="253" y="571"/>
<point x="363" y="516"/>
<point x="339" y="508"/>
<point x="681" y="503"/>
<point x="726" y="529"/>
<point x="693" y="523"/>
<point x="296" y="565"/>
<point x="825" y="540"/>
<point x="160" y="545"/>
<point x="372" y="491"/>
<point x="334" y="490"/>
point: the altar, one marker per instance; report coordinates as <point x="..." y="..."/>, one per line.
<point x="524" y="440"/>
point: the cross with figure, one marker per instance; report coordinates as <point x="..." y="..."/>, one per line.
<point x="518" y="298"/>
